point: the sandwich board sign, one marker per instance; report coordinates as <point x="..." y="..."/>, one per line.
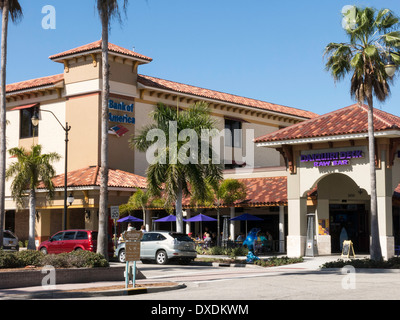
<point x="132" y="253"/>
<point x="348" y="249"/>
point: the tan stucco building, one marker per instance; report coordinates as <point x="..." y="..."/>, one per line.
<point x="73" y="97"/>
<point x="299" y="162"/>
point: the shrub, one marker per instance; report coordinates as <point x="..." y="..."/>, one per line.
<point x="28" y="258"/>
<point x="275" y="261"/>
<point x="7" y="259"/>
<point x="392" y="263"/>
<point x="75" y="259"/>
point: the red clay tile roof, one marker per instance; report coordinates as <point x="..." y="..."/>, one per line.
<point x="90" y="176"/>
<point x="216" y="95"/>
<point x="265" y="191"/>
<point x="96" y="46"/>
<point x="34" y="83"/>
<point x="349" y="120"/>
<point x="270" y="191"/>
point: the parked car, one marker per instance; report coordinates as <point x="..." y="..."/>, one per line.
<point x="10" y="241"/>
<point x="72" y="240"/>
<point x="163" y="246"/>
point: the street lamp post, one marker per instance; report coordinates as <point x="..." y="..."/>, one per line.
<point x="390" y="66"/>
<point x="35" y="122"/>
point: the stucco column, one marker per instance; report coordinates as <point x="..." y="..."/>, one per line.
<point x="232" y="230"/>
<point x="384" y="193"/>
<point x="297" y="227"/>
<point x="42" y="226"/>
<point x="281" y="229"/>
<point x="188" y="216"/>
<point x="322" y="222"/>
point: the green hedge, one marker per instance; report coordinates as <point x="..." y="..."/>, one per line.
<point x="231" y="252"/>
<point x="392" y="263"/>
<point x="75" y="259"/>
<point x="275" y="261"/>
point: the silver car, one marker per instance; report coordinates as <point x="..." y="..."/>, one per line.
<point x="10" y="241"/>
<point x="163" y="246"/>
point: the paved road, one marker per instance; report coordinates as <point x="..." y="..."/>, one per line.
<point x="300" y="281"/>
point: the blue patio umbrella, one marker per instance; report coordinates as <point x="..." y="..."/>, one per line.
<point x="130" y="219"/>
<point x="246" y="217"/>
<point x="200" y="217"/>
<point x="170" y="218"/>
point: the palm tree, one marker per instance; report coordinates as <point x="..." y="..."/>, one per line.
<point x="9" y="8"/>
<point x="225" y="192"/>
<point x="30" y="168"/>
<point x="107" y="9"/>
<point x="171" y="171"/>
<point x="373" y="38"/>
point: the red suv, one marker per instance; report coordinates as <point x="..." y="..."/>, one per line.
<point x="70" y="240"/>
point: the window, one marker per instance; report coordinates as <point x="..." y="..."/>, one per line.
<point x="81" y="235"/>
<point x="233" y="133"/>
<point x="57" y="237"/>
<point x="70" y="235"/>
<point x="27" y="130"/>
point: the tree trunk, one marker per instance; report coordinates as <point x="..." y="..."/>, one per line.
<point x="375" y="248"/>
<point x="102" y="242"/>
<point x="3" y="147"/>
<point x="178" y="206"/>
<point x="32" y="217"/>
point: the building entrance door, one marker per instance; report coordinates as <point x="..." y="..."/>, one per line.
<point x="349" y="222"/>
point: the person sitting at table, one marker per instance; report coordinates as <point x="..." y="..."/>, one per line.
<point x="240" y="237"/>
<point x="207" y="241"/>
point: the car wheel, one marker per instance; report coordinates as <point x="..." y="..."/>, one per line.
<point x="43" y="250"/>
<point x="78" y="249"/>
<point x="121" y="256"/>
<point x="161" y="257"/>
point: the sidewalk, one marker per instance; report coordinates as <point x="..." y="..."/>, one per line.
<point x="117" y="288"/>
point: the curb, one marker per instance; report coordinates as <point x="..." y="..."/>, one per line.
<point x="84" y="294"/>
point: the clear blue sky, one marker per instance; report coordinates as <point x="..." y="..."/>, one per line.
<point x="262" y="49"/>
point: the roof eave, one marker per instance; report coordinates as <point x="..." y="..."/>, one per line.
<point x="352" y="136"/>
<point x="97" y="50"/>
<point x="142" y="86"/>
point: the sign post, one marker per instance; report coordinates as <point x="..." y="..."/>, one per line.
<point x="132" y="253"/>
<point x="115" y="216"/>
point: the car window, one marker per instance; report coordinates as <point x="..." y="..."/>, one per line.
<point x="81" y="235"/>
<point x="160" y="237"/>
<point x="8" y="234"/>
<point x="180" y="236"/>
<point x="57" y="237"/>
<point x="69" y="235"/>
<point x="153" y="236"/>
<point x="146" y="237"/>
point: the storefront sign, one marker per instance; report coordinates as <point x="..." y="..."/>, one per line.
<point x="340" y="158"/>
<point x="121" y="106"/>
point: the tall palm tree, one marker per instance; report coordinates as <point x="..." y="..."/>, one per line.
<point x="170" y="171"/>
<point x="107" y="9"/>
<point x="373" y="38"/>
<point x="13" y="9"/>
<point x="30" y="168"/>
